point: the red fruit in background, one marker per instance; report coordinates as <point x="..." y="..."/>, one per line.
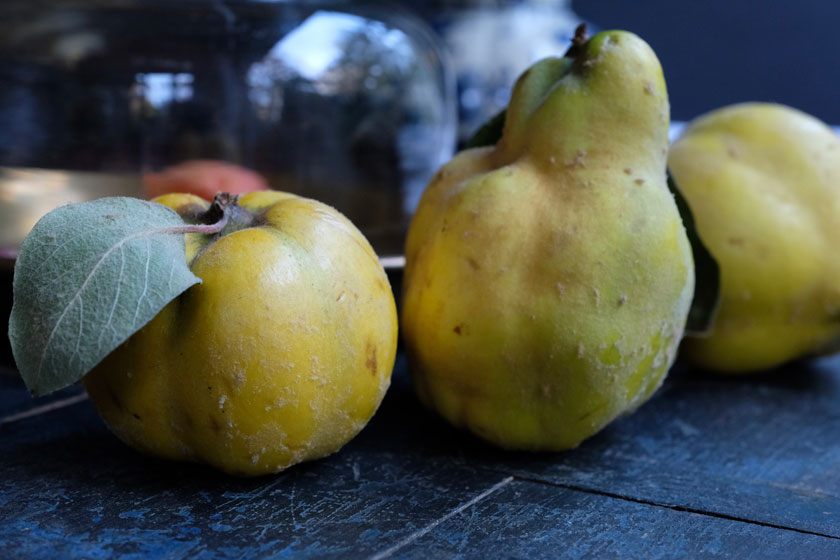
<point x="203" y="178"/>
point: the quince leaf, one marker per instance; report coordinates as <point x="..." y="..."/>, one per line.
<point x="88" y="276"/>
<point x="704" y="306"/>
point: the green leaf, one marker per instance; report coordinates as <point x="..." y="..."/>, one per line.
<point x="89" y="276"/>
<point x="704" y="306"/>
<point x="489" y="133"/>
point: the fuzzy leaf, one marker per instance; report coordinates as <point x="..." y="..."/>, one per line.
<point x="88" y="276"/>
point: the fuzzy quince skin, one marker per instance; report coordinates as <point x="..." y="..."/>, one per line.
<point x="282" y="354"/>
<point x="548" y="278"/>
<point x="763" y="183"/>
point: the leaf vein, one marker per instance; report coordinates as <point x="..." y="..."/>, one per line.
<point x="145" y="283"/>
<point x="48" y="343"/>
<point x="71" y="239"/>
<point x="110" y="320"/>
<point x="81" y="330"/>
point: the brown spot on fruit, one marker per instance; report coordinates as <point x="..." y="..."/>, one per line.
<point x="473" y="263"/>
<point x="735" y="241"/>
<point x="371" y="362"/>
<point x="639" y="182"/>
<point x="585" y="416"/>
<point x="114" y="398"/>
<point x="137" y="416"/>
<point x="214" y="425"/>
<point x="457" y="329"/>
<point x="628" y="171"/>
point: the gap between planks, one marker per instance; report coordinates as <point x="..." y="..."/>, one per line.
<point x="673" y="507"/>
<point x="35" y="411"/>
<point x="417" y="534"/>
<point x="75" y="399"/>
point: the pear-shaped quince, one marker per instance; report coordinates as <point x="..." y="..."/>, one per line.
<point x="548" y="277"/>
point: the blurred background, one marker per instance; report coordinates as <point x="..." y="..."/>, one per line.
<point x="715" y="52"/>
<point x="356" y="103"/>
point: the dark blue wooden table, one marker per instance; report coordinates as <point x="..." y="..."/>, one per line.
<point x="711" y="467"/>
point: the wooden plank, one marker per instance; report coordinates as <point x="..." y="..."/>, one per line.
<point x="70" y="490"/>
<point x="527" y="520"/>
<point x="742" y="452"/>
<point x="762" y="448"/>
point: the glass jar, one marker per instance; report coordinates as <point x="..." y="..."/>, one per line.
<point x="348" y="102"/>
<point x="492" y="42"/>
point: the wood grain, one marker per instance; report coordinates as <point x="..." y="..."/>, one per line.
<point x="711" y="467"/>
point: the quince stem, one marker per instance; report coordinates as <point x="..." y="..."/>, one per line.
<point x="578" y="41"/>
<point x="215" y="219"/>
<point x="206" y="229"/>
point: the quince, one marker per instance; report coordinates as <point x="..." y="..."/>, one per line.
<point x="282" y="354"/>
<point x="548" y="278"/>
<point x="763" y="183"/>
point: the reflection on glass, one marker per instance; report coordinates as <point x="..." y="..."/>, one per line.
<point x="159" y="88"/>
<point x="492" y="43"/>
<point x="347" y="102"/>
<point x="355" y="112"/>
